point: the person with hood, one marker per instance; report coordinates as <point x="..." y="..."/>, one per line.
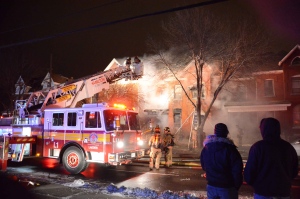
<point x="272" y="163"/>
<point x="223" y="165"/>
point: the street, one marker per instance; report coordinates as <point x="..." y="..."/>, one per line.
<point x="45" y="178"/>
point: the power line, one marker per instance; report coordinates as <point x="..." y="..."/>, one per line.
<point x="59" y="18"/>
<point x="112" y="23"/>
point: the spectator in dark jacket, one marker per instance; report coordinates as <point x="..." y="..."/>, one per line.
<point x="272" y="163"/>
<point x="223" y="165"/>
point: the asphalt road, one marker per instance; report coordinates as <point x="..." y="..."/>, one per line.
<point x="44" y="178"/>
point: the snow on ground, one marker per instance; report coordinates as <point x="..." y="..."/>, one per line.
<point x="140" y="193"/>
<point x="151" y="194"/>
<point x="111" y="189"/>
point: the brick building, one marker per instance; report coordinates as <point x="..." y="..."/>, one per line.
<point x="166" y="103"/>
<point x="269" y="93"/>
<point x="272" y="92"/>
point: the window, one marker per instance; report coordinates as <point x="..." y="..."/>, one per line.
<point x="110" y="117"/>
<point x="177" y="117"/>
<point x="241" y="93"/>
<point x="72" y="119"/>
<point x="152" y="112"/>
<point x="92" y="119"/>
<point x="296" y="61"/>
<point x="296" y="84"/>
<point x="195" y="94"/>
<point x="133" y="121"/>
<point x="296" y="116"/>
<point x="177" y="92"/>
<point x="58" y="119"/>
<point x="269" y="88"/>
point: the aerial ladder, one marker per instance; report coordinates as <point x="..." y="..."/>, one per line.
<point x="69" y="93"/>
<point x="66" y="95"/>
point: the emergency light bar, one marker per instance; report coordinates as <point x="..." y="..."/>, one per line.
<point x="121" y="106"/>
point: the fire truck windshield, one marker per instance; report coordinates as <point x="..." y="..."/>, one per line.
<point x="110" y="120"/>
<point x="110" y="123"/>
<point x="133" y="121"/>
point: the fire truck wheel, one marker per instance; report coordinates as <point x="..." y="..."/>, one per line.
<point x="85" y="166"/>
<point x="73" y="160"/>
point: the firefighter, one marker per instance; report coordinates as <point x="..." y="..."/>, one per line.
<point x="155" y="144"/>
<point x="168" y="142"/>
<point x="137" y="67"/>
<point x="128" y="65"/>
<point x="127" y="62"/>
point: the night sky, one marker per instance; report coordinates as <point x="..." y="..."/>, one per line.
<point x="83" y="40"/>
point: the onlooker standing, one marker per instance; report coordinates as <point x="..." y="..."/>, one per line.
<point x="223" y="165"/>
<point x="168" y="142"/>
<point x="155" y="144"/>
<point x="272" y="163"/>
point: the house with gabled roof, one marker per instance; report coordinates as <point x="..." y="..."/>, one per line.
<point x="53" y="79"/>
<point x="20" y="86"/>
<point x="115" y="63"/>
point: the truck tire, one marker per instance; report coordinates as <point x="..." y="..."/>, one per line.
<point x="73" y="160"/>
<point x="85" y="166"/>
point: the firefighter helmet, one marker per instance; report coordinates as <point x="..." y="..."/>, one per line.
<point x="157" y="129"/>
<point x="167" y="129"/>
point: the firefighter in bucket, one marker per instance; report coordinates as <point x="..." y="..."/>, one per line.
<point x="155" y="144"/>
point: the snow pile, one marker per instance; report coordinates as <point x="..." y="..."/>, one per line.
<point x="76" y="183"/>
<point x="148" y="193"/>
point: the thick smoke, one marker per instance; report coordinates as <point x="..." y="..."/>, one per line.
<point x="156" y="97"/>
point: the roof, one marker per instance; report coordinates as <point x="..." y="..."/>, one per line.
<point x="59" y="78"/>
<point x="113" y="64"/>
<point x="268" y="72"/>
<point x="289" y="54"/>
<point x="257" y="106"/>
<point x="56" y="78"/>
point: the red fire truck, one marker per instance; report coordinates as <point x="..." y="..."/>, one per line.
<point x="48" y="124"/>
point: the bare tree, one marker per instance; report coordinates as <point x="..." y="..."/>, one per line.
<point x="15" y="64"/>
<point x="121" y="93"/>
<point x="229" y="49"/>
